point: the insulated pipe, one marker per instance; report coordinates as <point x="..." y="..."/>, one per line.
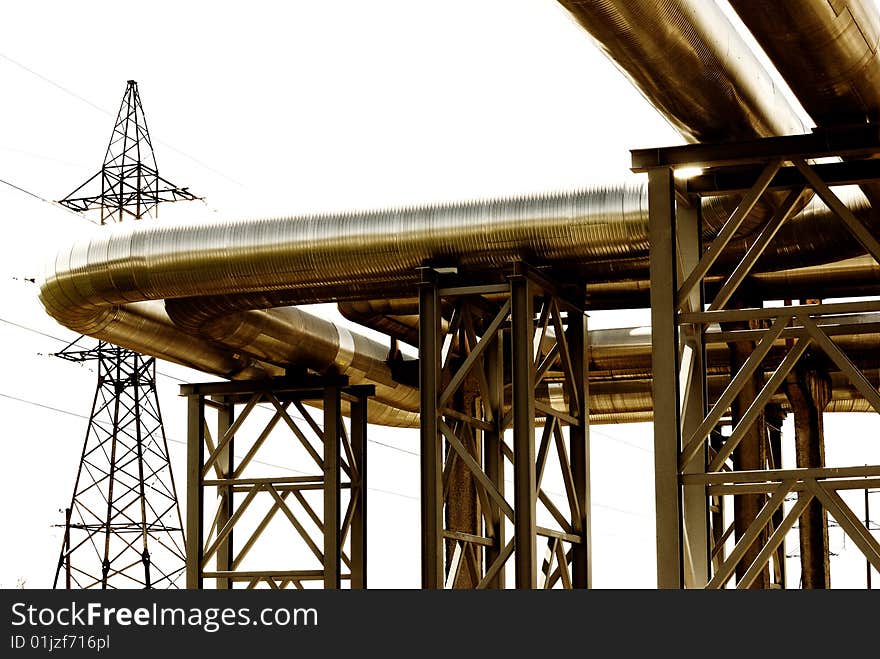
<point x="691" y="64"/>
<point x="252" y="264"/>
<point x="827" y="52"/>
<point x="348" y="256"/>
<point x="289" y="336"/>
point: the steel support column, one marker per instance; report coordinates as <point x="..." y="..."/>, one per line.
<point x="430" y="443"/>
<point x="773" y="418"/>
<point x="692" y="404"/>
<point x="579" y="435"/>
<point x="664" y="355"/>
<point x="359" y="493"/>
<point x="523" y="400"/>
<point x="464" y="407"/>
<point x="195" y="458"/>
<point x="332" y="484"/>
<point x="750" y="455"/>
<point x="493" y="456"/>
<point x="226" y="465"/>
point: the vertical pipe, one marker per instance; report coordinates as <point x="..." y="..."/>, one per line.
<point x="195" y="442"/>
<point x="808" y="391"/>
<point x="774" y="418"/>
<point x="359" y="490"/>
<point x="331" y="488"/>
<point x="431" y="463"/>
<point x="579" y="438"/>
<point x="493" y="459"/>
<point x="750" y="455"/>
<point x="664" y="354"/>
<point x="523" y="398"/>
<point x="225" y="462"/>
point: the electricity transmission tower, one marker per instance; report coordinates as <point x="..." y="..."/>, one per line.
<point x="123" y="528"/>
<point x="128" y="183"/>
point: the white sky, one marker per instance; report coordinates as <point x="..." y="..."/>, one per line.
<point x="283" y="108"/>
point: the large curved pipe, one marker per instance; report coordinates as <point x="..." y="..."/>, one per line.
<point x="252" y="264"/>
<point x="289" y="336"/>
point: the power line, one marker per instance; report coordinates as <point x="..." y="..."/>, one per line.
<point x="174" y="377"/>
<point x="54" y="204"/>
<point x="42" y="156"/>
<point x="180" y="441"/>
<point x="297" y="471"/>
<point x="108" y="113"/>
<point x="593" y="431"/>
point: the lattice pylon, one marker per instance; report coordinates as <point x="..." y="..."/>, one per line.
<point x="128" y="183"/>
<point x="124" y="527"/>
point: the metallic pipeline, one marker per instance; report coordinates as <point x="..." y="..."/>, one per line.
<point x="289" y="336"/>
<point x="353" y="255"/>
<point x="697" y="72"/>
<point x="831" y="61"/>
<point x="281" y="261"/>
<point x="840" y="279"/>
<point x="691" y="64"/>
<point x="634" y="397"/>
<point x="827" y="52"/>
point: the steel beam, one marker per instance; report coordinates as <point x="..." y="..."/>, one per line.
<point x="332" y="434"/>
<point x="195" y="452"/>
<point x="664" y="354"/>
<point x="579" y="438"/>
<point x="359" y="492"/>
<point x="431" y="459"/>
<point x="854" y="140"/>
<point x="226" y="465"/>
<point x="692" y="405"/>
<point x="523" y="399"/>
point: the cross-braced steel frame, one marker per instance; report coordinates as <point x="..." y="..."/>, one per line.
<point x="123" y="526"/>
<point x="322" y="509"/>
<point x="693" y="467"/>
<point x="493" y="359"/>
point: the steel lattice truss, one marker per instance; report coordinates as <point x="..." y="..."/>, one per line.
<point x="128" y="184"/>
<point x="241" y="507"/>
<point x="697" y="466"/>
<point x="124" y="527"/>
<point x="506" y="348"/>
